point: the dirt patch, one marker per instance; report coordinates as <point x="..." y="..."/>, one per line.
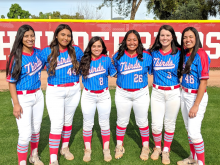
<point x="214" y="80"/>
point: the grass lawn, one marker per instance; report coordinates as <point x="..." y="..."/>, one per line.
<point x="132" y="140"/>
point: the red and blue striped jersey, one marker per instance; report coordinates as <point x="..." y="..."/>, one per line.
<point x="100" y="69"/>
<point x="63" y="71"/>
<point x="199" y="69"/>
<point x="131" y="72"/>
<point x="165" y="68"/>
<point x="31" y="66"/>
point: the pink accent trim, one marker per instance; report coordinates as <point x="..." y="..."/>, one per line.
<point x="95" y="59"/>
<point x="27" y="54"/>
<point x="188" y="54"/>
<point x="164" y="54"/>
<point x="204" y="62"/>
<point x="61" y="51"/>
<point x="145" y="51"/>
<point x="135" y="55"/>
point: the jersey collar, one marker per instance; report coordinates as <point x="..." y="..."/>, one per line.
<point x="164" y="54"/>
<point x="61" y="51"/>
<point x="135" y="55"/>
<point x="95" y="59"/>
<point x="27" y="54"/>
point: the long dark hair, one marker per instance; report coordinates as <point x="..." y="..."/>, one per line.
<point x="15" y="57"/>
<point x="123" y="46"/>
<point x="55" y="52"/>
<point x="195" y="49"/>
<point x="174" y="45"/>
<point x="86" y="59"/>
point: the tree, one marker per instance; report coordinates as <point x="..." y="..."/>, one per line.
<point x="124" y="7"/>
<point x="16" y="10"/>
<point x="183" y="9"/>
<point x="57" y="15"/>
<point x="2" y="16"/>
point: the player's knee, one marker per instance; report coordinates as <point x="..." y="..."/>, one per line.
<point x="156" y="129"/>
<point x="24" y="138"/>
<point x="169" y="126"/>
<point x="142" y="123"/>
<point x="195" y="137"/>
<point x="122" y="123"/>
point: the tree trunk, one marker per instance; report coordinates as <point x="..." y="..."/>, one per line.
<point x="134" y="8"/>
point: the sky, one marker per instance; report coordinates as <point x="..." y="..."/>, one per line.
<point x="70" y="7"/>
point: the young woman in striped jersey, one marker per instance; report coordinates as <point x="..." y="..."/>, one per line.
<point x="95" y="67"/>
<point x="165" y="97"/>
<point x="23" y="73"/>
<point x="194" y="97"/>
<point x="63" y="89"/>
<point x="133" y="64"/>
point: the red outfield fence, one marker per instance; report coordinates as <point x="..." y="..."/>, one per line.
<point x="111" y="31"/>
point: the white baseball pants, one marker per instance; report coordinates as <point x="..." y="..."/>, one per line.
<point x="61" y="105"/>
<point x="165" y="106"/>
<point x="193" y="125"/>
<point x="89" y="102"/>
<point x="125" y="100"/>
<point x="30" y="121"/>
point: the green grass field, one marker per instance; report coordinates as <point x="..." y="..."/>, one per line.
<point x="132" y="140"/>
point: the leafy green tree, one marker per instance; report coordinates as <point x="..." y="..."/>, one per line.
<point x="2" y="16"/>
<point x="124" y="7"/>
<point x="16" y="10"/>
<point x="184" y="9"/>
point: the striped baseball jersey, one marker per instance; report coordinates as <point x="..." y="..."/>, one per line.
<point x="131" y="72"/>
<point x="165" y="68"/>
<point x="31" y="66"/>
<point x="63" y="71"/>
<point x="99" y="70"/>
<point x="199" y="69"/>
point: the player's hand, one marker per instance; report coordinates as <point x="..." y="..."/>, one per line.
<point x="17" y="111"/>
<point x="193" y="111"/>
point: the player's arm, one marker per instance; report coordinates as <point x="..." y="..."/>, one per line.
<point x="17" y="110"/>
<point x="202" y="87"/>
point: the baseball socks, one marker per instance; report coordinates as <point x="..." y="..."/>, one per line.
<point x="145" y="142"/>
<point x="192" y="149"/>
<point x="34" y="144"/>
<point x="120" y="133"/>
<point x="200" y="152"/>
<point x="22" y="150"/>
<point x="168" y="138"/>
<point x="54" y="142"/>
<point x="87" y="137"/>
<point x="157" y="149"/>
<point x="66" y="133"/>
<point x="105" y="140"/>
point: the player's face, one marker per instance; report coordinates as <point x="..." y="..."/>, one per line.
<point x="64" y="38"/>
<point x="165" y="38"/>
<point x="28" y="39"/>
<point x="132" y="42"/>
<point x="189" y="40"/>
<point x="96" y="49"/>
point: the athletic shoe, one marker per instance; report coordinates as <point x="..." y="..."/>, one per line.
<point x="165" y="157"/>
<point x="156" y="153"/>
<point x="107" y="155"/>
<point x="54" y="163"/>
<point x="187" y="161"/>
<point x="87" y="155"/>
<point x="119" y="150"/>
<point x="145" y="153"/>
<point x="35" y="160"/>
<point x="66" y="153"/>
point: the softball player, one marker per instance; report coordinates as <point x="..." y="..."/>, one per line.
<point x="165" y="98"/>
<point x="23" y="72"/>
<point x="132" y="63"/>
<point x="95" y="67"/>
<point x="63" y="89"/>
<point x="194" y="98"/>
